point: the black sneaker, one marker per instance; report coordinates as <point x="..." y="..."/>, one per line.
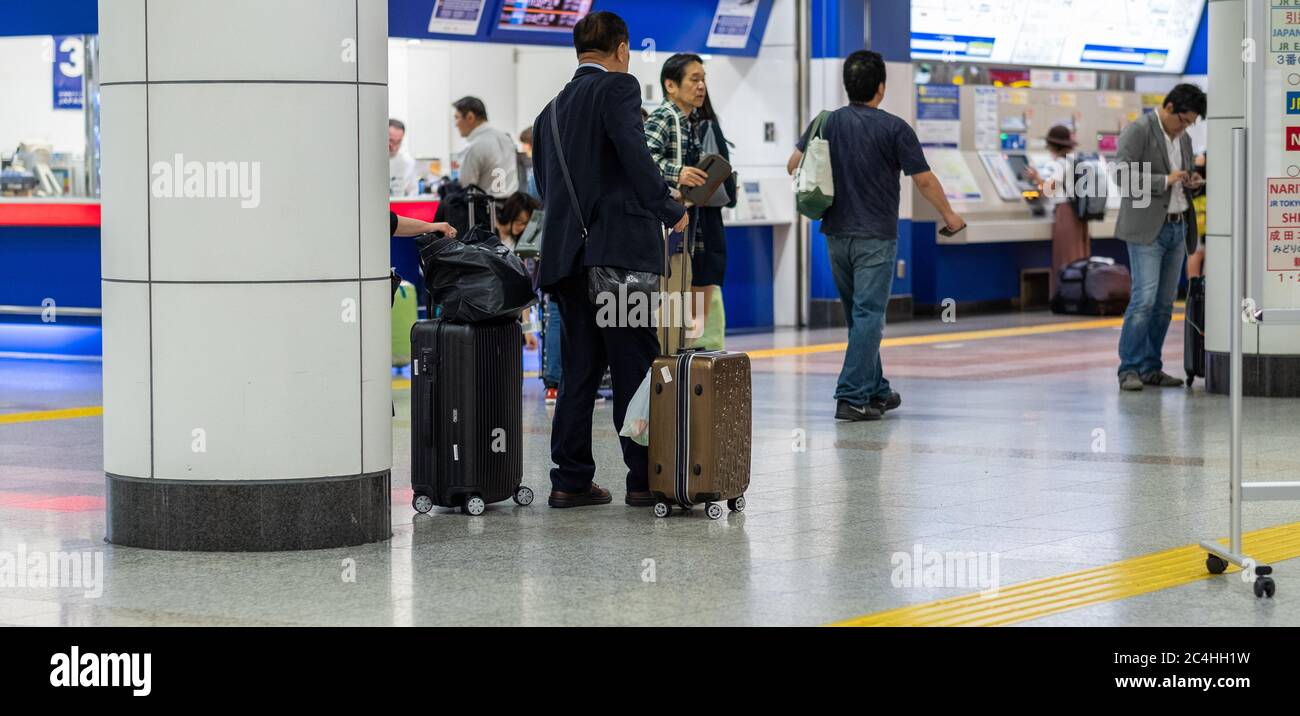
<point x="1161" y="379"/>
<point x="1129" y="380"/>
<point x="844" y="410"/>
<point x="889" y="402"/>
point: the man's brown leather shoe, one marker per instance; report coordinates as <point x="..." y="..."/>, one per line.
<point x="641" y="499"/>
<point x="595" y="495"/>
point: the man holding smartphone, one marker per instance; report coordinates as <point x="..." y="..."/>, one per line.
<point x="870" y="149"/>
<point x="1160" y="229"/>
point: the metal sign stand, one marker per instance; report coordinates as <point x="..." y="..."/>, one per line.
<point x="1219" y="558"/>
<point x="1245" y="285"/>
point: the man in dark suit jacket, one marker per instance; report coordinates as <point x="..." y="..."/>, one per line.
<point x="624" y="204"/>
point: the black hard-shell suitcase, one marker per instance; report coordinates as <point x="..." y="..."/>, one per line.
<point x="1194" y="330"/>
<point x="466" y="415"/>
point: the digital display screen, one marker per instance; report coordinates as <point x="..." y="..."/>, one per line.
<point x="1139" y="35"/>
<point x="545" y="15"/>
<point x="1019" y="164"/>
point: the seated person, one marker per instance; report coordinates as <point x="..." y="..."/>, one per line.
<point x="512" y="218"/>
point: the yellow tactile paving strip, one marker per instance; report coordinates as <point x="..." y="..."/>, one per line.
<point x="88" y="411"/>
<point x="1108" y="583"/>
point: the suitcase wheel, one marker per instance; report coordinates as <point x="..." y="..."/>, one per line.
<point x="474" y="505"/>
<point x="524" y="496"/>
<point x="662" y="509"/>
<point x="713" y="510"/>
<point x="422" y="503"/>
<point x="736" y="504"/>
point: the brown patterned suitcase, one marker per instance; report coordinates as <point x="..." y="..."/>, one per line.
<point x="700" y="420"/>
<point x="700" y="431"/>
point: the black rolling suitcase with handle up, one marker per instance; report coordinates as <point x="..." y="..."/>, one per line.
<point x="467" y="414"/>
<point x="1194" y="330"/>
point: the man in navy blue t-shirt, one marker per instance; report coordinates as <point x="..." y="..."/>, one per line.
<point x="869" y="148"/>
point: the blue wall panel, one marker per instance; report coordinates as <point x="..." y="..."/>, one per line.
<point x="49" y="17"/>
<point x="889" y="27"/>
<point x="838" y="27"/>
<point x="822" y="281"/>
<point x="63" y="338"/>
<point x="747" y="293"/>
<point x="57" y="263"/>
<point x="903" y="286"/>
<point x="1198" y="60"/>
<point x="982" y="272"/>
<point x="674" y="25"/>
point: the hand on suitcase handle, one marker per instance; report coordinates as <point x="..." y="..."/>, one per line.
<point x="682" y="223"/>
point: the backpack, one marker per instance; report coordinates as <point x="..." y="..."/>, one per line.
<point x="1090" y="203"/>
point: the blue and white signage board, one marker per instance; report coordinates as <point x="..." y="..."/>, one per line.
<point x="733" y="21"/>
<point x="938" y="115"/>
<point x="69" y="61"/>
<point x="456" y="17"/>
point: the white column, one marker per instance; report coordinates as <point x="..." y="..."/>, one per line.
<point x="1227" y="109"/>
<point x="245" y="272"/>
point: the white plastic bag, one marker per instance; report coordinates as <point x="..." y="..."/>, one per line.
<point x="636" y="424"/>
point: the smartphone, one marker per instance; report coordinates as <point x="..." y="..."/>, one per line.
<point x="943" y="231"/>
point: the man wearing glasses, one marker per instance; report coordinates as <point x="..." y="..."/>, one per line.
<point x="1159" y="228"/>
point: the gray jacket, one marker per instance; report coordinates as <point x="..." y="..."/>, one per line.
<point x="1142" y="142"/>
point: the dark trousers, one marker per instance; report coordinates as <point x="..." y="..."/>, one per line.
<point x="585" y="350"/>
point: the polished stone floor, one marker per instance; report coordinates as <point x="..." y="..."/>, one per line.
<point x="1019" y="446"/>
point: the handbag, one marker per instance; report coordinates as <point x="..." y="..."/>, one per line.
<point x="601" y="280"/>
<point x="713" y="193"/>
<point x="713" y="164"/>
<point x="814" y="183"/>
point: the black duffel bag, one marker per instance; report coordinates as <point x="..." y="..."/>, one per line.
<point x="474" y="278"/>
<point x="1095" y="286"/>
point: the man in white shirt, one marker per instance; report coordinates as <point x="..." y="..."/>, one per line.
<point x="1158" y="229"/>
<point x="402" y="177"/>
<point x="490" y="162"/>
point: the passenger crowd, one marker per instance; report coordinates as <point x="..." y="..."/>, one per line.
<point x="595" y="181"/>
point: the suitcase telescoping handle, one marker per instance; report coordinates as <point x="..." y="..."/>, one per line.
<point x="664" y="303"/>
<point x="475" y="193"/>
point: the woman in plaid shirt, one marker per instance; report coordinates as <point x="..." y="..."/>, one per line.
<point x="675" y="133"/>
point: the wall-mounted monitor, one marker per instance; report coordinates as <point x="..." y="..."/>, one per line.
<point x="543" y="15"/>
<point x="1138" y="35"/>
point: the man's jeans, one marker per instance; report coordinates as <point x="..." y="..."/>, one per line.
<point x="864" y="272"/>
<point x="1156" y="269"/>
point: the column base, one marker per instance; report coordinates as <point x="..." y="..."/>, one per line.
<point x="249" y="515"/>
<point x="1263" y="376"/>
